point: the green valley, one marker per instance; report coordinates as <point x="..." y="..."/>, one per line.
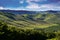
<point x="41" y="22"/>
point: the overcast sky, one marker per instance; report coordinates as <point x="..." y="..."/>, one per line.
<point x="36" y="5"/>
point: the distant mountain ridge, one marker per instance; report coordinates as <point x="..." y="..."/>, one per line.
<point x="18" y="11"/>
<point x="27" y="12"/>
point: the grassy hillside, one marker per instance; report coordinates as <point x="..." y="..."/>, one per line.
<point x="32" y="21"/>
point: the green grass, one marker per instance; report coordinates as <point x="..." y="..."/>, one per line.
<point x="30" y="21"/>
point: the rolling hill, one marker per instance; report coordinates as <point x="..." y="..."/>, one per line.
<point x="30" y="19"/>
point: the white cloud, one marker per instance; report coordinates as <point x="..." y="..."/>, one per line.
<point x="32" y="0"/>
<point x="49" y="6"/>
<point x="35" y="0"/>
<point x="1" y="8"/>
<point x="22" y="1"/>
<point x="33" y="5"/>
<point x="42" y="7"/>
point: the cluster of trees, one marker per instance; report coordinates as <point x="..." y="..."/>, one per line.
<point x="21" y="34"/>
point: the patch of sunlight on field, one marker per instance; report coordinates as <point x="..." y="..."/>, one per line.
<point x="11" y="25"/>
<point x="27" y="25"/>
<point x="43" y="25"/>
<point x="3" y="17"/>
<point x="53" y="39"/>
<point x="49" y="16"/>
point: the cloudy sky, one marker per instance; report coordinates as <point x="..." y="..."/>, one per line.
<point x="34" y="5"/>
